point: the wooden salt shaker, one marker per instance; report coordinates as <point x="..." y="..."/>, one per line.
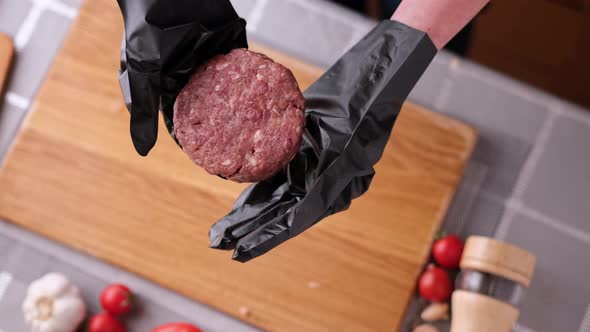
<point x="490" y="286"/>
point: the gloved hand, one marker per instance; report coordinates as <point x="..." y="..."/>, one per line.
<point x="164" y="42"/>
<point x="350" y="112"/>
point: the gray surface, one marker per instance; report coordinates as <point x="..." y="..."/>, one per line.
<point x="10" y="120"/>
<point x="29" y="67"/>
<point x="10" y="307"/>
<point x="504" y="155"/>
<point x="494" y="111"/>
<point x="435" y="80"/>
<point x="12" y="13"/>
<point x="527" y="181"/>
<point x="77" y="3"/>
<point x="459" y="215"/>
<point x="6" y="246"/>
<point x="561" y="279"/>
<point x="288" y="15"/>
<point x="484" y="215"/>
<point x="585" y="326"/>
<point x="560" y="183"/>
<point x="243" y="7"/>
<point x="26" y="265"/>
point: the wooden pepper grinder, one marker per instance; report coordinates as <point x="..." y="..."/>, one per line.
<point x="490" y="286"/>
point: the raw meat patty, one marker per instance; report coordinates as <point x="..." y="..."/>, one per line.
<point x="240" y="116"/>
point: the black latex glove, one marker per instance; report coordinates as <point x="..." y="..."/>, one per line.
<point x="165" y="41"/>
<point x="350" y="112"/>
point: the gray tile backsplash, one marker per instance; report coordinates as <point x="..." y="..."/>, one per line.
<point x="92" y="285"/>
<point x="330" y="40"/>
<point x="6" y="247"/>
<point x="429" y="86"/>
<point x="148" y="315"/>
<point x="12" y="13"/>
<point x="585" y="326"/>
<point x="29" y="67"/>
<point x="559" y="294"/>
<point x="10" y="120"/>
<point x="485" y="214"/>
<point x="74" y="3"/>
<point x="466" y="196"/>
<point x="505" y="156"/>
<point x="490" y="108"/>
<point x="560" y="183"/>
<point x="504" y="83"/>
<point x="27" y="264"/>
<point x="10" y="306"/>
<point x="243" y="7"/>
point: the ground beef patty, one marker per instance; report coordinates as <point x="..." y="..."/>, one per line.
<point x="240" y="116"/>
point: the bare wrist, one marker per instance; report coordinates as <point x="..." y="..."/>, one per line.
<point x="440" y="19"/>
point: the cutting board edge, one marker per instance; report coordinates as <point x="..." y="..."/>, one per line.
<point x="472" y="135"/>
<point x="6" y="64"/>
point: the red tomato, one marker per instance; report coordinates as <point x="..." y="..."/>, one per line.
<point x="435" y="284"/>
<point x="447" y="251"/>
<point x="116" y="299"/>
<point x="177" y="327"/>
<point x="105" y="323"/>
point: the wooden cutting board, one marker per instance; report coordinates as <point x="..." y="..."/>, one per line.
<point x="74" y="177"/>
<point x="6" y="53"/>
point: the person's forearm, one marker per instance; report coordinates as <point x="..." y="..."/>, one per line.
<point x="440" y="19"/>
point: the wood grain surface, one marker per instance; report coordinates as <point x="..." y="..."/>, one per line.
<point x="481" y="313"/>
<point x="74" y="177"/>
<point x="6" y="53"/>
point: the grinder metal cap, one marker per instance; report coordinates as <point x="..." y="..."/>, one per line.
<point x="498" y="258"/>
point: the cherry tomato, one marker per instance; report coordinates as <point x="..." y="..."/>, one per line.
<point x="435" y="284"/>
<point x="116" y="299"/>
<point x="177" y="327"/>
<point x="105" y="323"/>
<point x="447" y="251"/>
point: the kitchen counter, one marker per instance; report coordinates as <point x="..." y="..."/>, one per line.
<point x="526" y="183"/>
